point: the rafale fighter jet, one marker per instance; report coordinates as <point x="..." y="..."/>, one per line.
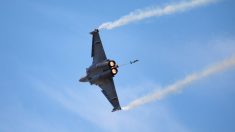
<point x="102" y="71"/>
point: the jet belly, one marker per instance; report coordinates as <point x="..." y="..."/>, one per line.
<point x="100" y="76"/>
<point x="97" y="73"/>
<point x="98" y="67"/>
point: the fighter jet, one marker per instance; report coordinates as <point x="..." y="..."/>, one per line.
<point x="134" y="61"/>
<point x="102" y="71"/>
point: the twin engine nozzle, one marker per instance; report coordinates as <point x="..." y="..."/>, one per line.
<point x="113" y="67"/>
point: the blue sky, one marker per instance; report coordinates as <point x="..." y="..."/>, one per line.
<point x="45" y="48"/>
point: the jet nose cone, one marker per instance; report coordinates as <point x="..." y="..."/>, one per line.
<point x="83" y="79"/>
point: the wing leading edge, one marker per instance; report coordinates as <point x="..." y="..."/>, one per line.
<point x="109" y="91"/>
<point x="97" y="51"/>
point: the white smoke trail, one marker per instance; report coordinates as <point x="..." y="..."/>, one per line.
<point x="156" y="11"/>
<point x="181" y="84"/>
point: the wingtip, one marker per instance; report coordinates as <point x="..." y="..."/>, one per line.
<point x="116" y="109"/>
<point x="95" y="31"/>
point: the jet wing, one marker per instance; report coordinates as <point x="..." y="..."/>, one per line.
<point x="97" y="51"/>
<point x="109" y="91"/>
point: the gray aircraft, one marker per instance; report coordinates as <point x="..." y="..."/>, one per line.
<point x="102" y="71"/>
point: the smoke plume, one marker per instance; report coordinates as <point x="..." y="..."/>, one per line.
<point x="181" y="84"/>
<point x="154" y="11"/>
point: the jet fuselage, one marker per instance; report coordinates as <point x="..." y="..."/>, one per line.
<point x="97" y="72"/>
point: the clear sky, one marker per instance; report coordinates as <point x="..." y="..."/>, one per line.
<point x="45" y="47"/>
